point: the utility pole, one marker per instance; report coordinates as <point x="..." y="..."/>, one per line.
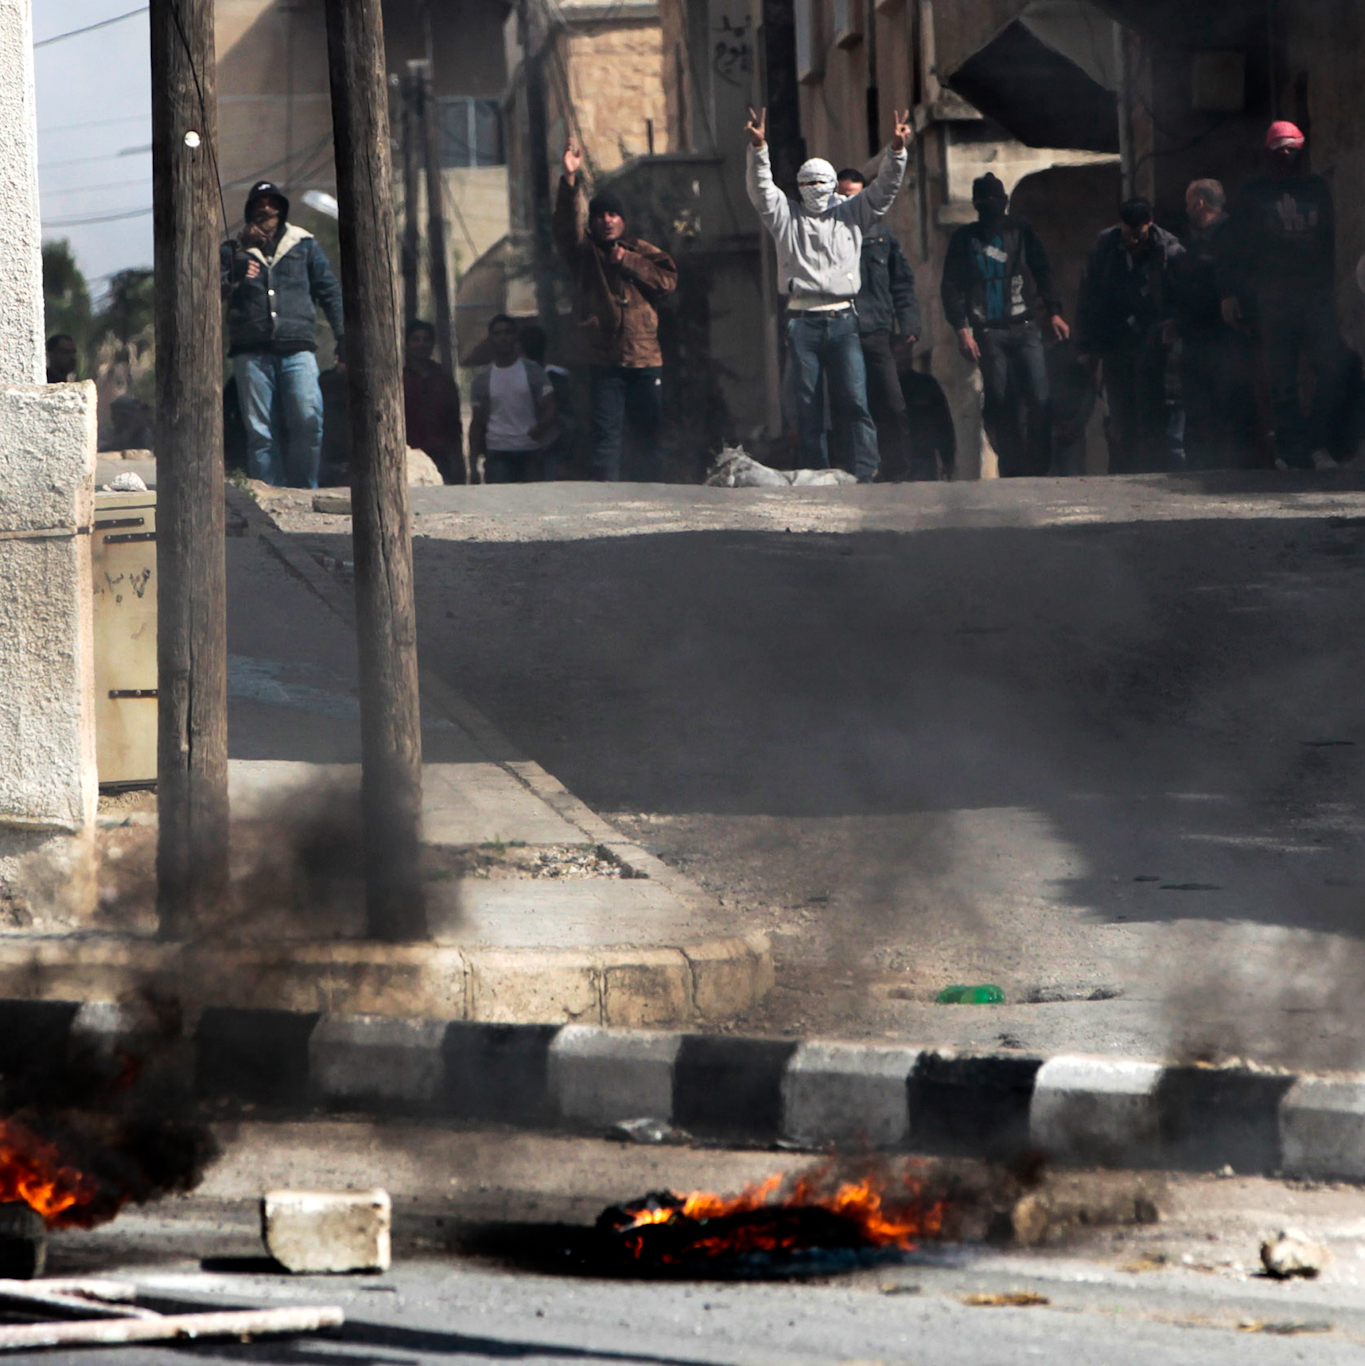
<point x="538" y="161"/>
<point x="390" y="733"/>
<point x="412" y="231"/>
<point x="436" y="208"/>
<point x="192" y="832"/>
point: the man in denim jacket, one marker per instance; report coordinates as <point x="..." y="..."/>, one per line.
<point x="275" y="278"/>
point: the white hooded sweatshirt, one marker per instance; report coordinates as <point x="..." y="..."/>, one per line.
<point x="818" y="249"/>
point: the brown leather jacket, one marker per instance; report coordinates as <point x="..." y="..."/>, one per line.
<point x="614" y="304"/>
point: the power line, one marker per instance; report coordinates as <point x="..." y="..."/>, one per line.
<point x="100" y="218"/>
<point x="91" y="123"/>
<point x="90" y="28"/>
<point x="86" y="161"/>
<point x="103" y="185"/>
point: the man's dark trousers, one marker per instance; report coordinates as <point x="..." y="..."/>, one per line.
<point x="1294" y="323"/>
<point x="1015" y="410"/>
<point x="887" y="403"/>
<point x="621" y="395"/>
<point x="1216" y="378"/>
<point x="1146" y="428"/>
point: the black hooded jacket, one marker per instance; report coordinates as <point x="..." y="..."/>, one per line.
<point x="1123" y="297"/>
<point x="886" y="302"/>
<point x="277" y="311"/>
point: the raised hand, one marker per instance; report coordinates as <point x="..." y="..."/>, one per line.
<point x="904" y="134"/>
<point x="573" y="160"/>
<point x="757" y="127"/>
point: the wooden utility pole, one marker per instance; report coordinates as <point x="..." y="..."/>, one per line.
<point x="390" y="733"/>
<point x="192" y="838"/>
<point x="436" y="208"/>
<point x="540" y="160"/>
<point x="412" y="230"/>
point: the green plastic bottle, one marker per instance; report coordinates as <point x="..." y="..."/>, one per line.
<point x="987" y="994"/>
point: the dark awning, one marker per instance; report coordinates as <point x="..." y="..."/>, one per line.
<point x="1042" y="97"/>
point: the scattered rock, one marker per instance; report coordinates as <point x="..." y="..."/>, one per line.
<point x="1007" y="1299"/>
<point x="337" y="502"/>
<point x="1030" y="1218"/>
<point x="422" y="471"/>
<point x="1291" y="1253"/>
<point x="315" y="1232"/>
<point x="647" y="1130"/>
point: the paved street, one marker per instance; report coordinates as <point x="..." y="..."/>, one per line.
<point x="1091" y="738"/>
<point x="1184" y="1289"/>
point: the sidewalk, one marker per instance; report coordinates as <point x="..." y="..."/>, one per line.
<point x="540" y="910"/>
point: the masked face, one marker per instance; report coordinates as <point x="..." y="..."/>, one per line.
<point x="816" y="183"/>
<point x="991" y="211"/>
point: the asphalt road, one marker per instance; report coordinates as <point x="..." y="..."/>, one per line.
<point x="1183" y="1290"/>
<point x="1097" y="741"/>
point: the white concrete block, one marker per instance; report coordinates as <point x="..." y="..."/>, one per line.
<point x="1322" y="1128"/>
<point x="848" y="1093"/>
<point x="364" y="1058"/>
<point x="1096" y="1110"/>
<point x="602" y="1076"/>
<point x="21" y="266"/>
<point x="327" y="1231"/>
<point x="47" y="454"/>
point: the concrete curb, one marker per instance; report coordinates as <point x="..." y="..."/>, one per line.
<point x="741" y="1090"/>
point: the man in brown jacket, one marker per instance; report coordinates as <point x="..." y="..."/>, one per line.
<point x="617" y="282"/>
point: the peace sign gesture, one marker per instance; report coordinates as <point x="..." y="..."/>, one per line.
<point x="757" y="127"/>
<point x="904" y="134"/>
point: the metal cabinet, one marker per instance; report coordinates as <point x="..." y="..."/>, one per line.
<point x="123" y="546"/>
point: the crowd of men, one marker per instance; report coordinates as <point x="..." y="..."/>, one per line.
<point x="1196" y="343"/>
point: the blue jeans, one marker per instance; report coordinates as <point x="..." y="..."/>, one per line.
<point x="621" y="393"/>
<point x="282" y="408"/>
<point x="830" y="346"/>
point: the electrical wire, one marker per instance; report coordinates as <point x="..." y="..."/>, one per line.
<point x="90" y="28"/>
<point x="87" y="161"/>
<point x="101" y="218"/>
<point x="89" y="189"/>
<point x="91" y="123"/>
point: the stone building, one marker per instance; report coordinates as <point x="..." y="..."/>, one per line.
<point x="275" y="117"/>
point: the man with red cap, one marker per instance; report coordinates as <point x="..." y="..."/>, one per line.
<point x="1277" y="272"/>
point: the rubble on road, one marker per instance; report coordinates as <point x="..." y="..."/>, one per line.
<point x="735" y="468"/>
<point x="327" y="1231"/>
<point x="1291" y="1253"/>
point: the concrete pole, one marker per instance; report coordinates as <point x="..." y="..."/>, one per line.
<point x="21" y="258"/>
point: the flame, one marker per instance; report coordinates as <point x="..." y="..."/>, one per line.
<point x="33" y="1170"/>
<point x="895" y="1219"/>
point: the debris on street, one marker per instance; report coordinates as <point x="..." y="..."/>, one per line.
<point x="735" y="468"/>
<point x="1006" y="1299"/>
<point x="316" y="1232"/>
<point x="1291" y="1253"/>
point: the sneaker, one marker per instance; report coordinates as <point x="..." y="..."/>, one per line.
<point x="1323" y="461"/>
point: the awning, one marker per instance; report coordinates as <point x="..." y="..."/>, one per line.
<point x="1041" y="79"/>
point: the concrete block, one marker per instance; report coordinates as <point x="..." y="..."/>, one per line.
<point x="1097" y="1110"/>
<point x="728" y="975"/>
<point x="498" y="1072"/>
<point x="1213" y="1117"/>
<point x="21" y="319"/>
<point x="971" y="1105"/>
<point x="601" y="1076"/>
<point x="727" y="1087"/>
<point x="255" y="1056"/>
<point x="1322" y="1128"/>
<point x="642" y="987"/>
<point x="313" y="1232"/>
<point x="848" y="1093"/>
<point x="550" y="985"/>
<point x="367" y="1061"/>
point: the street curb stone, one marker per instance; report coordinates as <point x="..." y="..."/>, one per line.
<point x="739" y="1089"/>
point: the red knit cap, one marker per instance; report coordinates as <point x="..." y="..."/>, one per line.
<point x="1282" y="133"/>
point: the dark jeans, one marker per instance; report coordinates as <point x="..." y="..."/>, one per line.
<point x="829" y="346"/>
<point x="621" y="395"/>
<point x="1303" y="323"/>
<point x="1217" y="382"/>
<point x="887" y="402"/>
<point x="1146" y="426"/>
<point x="1015" y="410"/>
<point x="515" y="467"/>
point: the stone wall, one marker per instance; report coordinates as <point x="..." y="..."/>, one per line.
<point x="21" y="319"/>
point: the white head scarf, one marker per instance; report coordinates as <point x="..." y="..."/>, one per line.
<point x="816" y="182"/>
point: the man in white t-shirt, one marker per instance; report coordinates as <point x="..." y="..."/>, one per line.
<point x="514" y="408"/>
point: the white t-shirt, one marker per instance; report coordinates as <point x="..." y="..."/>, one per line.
<point x="511" y="408"/>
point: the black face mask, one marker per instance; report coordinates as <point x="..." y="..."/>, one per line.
<point x="991" y="212"/>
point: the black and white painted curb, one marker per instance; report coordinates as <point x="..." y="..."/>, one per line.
<point x="721" y="1088"/>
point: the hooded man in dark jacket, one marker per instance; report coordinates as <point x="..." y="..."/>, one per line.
<point x="275" y="278"/>
<point x="1125" y="318"/>
<point x="985" y="303"/>
<point x="1277" y="271"/>
<point x="888" y="327"/>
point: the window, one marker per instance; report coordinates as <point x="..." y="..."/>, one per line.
<point x="471" y="132"/>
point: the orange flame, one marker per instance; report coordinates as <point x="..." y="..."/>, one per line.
<point x="894" y="1220"/>
<point x="32" y="1170"/>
